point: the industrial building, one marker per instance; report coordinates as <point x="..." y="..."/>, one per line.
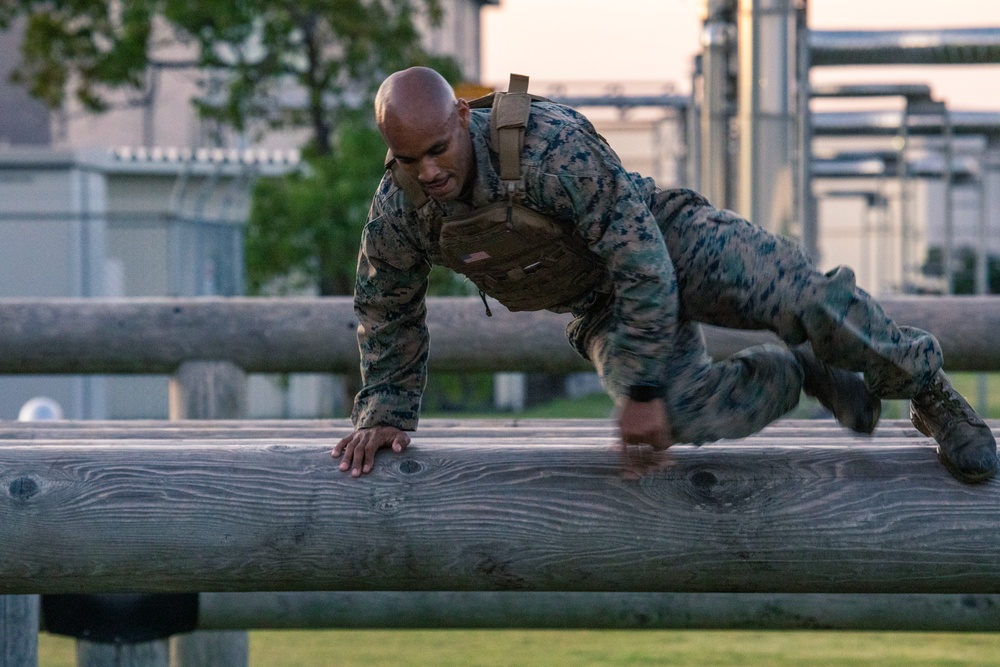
<point x="137" y="202"/>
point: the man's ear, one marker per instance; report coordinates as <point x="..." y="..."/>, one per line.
<point x="463" y="113"/>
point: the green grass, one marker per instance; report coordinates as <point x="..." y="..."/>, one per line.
<point x="592" y="406"/>
<point x="586" y="648"/>
<point x="599" y="406"/>
<point x="967" y="384"/>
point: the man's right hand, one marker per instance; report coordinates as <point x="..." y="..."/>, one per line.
<point x="358" y="449"/>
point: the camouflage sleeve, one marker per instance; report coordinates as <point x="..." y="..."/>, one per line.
<point x="392" y="330"/>
<point x="582" y="179"/>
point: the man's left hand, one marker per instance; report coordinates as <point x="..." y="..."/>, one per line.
<point x="644" y="423"/>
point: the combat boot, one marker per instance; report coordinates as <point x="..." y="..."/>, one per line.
<point x="966" y="445"/>
<point x="843" y="393"/>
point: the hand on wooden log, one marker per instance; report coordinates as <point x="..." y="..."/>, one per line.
<point x="359" y="448"/>
<point x="643" y="423"/>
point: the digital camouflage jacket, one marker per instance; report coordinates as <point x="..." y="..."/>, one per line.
<point x="569" y="173"/>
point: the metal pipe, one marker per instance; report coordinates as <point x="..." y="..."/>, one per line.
<point x="908" y="90"/>
<point x="949" y="206"/>
<point x="766" y="33"/>
<point x="624" y="101"/>
<point x="858" y="165"/>
<point x="804" y="200"/>
<point x="989" y="182"/>
<point x="717" y="38"/>
<point x="906" y="47"/>
<point x="889" y="123"/>
<point x="693" y="129"/>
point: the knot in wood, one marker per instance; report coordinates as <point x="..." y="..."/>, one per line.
<point x="409" y="466"/>
<point x="704" y="480"/>
<point x="23" y="488"/>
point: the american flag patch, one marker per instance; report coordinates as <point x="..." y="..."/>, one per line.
<point x="475" y="256"/>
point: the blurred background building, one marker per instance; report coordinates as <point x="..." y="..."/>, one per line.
<point x="149" y="200"/>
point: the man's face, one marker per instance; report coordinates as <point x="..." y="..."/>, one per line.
<point x="438" y="155"/>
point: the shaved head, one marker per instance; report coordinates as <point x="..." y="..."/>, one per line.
<point x="413" y="98"/>
<point x="427" y="130"/>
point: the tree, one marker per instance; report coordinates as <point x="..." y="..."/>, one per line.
<point x="964" y="263"/>
<point x="309" y="65"/>
<point x="304" y="228"/>
<point x="277" y="63"/>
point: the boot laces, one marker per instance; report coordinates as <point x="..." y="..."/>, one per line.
<point x="942" y="398"/>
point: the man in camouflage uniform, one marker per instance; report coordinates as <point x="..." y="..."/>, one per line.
<point x="668" y="260"/>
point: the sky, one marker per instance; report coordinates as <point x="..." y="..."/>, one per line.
<point x="630" y="41"/>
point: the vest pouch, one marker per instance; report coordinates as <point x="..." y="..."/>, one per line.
<point x="524" y="259"/>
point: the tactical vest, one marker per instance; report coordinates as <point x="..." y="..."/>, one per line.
<point x="520" y="257"/>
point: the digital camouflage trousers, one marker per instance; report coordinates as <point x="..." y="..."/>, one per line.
<point x="732" y="273"/>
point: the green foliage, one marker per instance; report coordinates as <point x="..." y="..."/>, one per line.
<point x="333" y="52"/>
<point x="450" y="393"/>
<point x="964" y="262"/>
<point x="87" y="44"/>
<point x="304" y="228"/>
<point x="272" y="63"/>
<point x="268" y="64"/>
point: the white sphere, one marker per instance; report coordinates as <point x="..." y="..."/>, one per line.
<point x="39" y="409"/>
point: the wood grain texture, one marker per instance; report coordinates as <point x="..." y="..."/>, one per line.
<point x="280" y="335"/>
<point x="538" y="431"/>
<point x="480" y="512"/>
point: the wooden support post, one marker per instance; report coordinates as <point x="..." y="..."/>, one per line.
<point x="209" y="648"/>
<point x="209" y="390"/>
<point x="19" y="630"/>
<point x="149" y="654"/>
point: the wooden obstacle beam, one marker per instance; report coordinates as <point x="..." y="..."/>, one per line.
<point x="619" y="611"/>
<point x="803" y="507"/>
<point x="265" y="335"/>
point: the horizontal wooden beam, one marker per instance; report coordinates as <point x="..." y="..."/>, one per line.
<point x="318" y="335"/>
<point x="790" y="510"/>
<point x="625" y="611"/>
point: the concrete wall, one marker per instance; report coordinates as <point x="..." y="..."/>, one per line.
<point x="52" y="236"/>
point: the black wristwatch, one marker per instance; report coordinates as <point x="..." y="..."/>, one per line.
<point x="644" y="393"/>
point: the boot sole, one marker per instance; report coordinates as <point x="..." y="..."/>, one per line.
<point x="963" y="476"/>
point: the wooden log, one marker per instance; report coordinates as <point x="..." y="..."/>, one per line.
<point x="512" y="431"/>
<point x="476" y="514"/>
<point x="621" y="611"/>
<point x="318" y="335"/>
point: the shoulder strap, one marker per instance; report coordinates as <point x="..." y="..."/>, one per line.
<point x="507" y="122"/>
<point x="508" y="119"/>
